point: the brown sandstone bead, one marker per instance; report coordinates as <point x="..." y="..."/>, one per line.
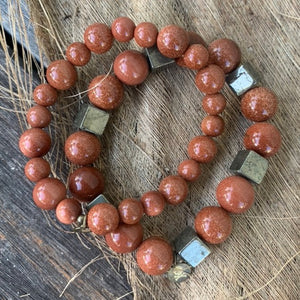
<point x="38" y="116"/>
<point x="86" y="183"/>
<point x="34" y="142"/>
<point x="82" y="148"/>
<point x="180" y="62"/>
<point x="225" y="53"/>
<point x="68" y="210"/>
<point x="259" y="104"/>
<point x="235" y="194"/>
<point x="214" y="104"/>
<point x="145" y="34"/>
<point x="122" y="29"/>
<point x="174" y="189"/>
<point x="172" y="41"/>
<point x="202" y="149"/>
<point x="153" y="202"/>
<point x="212" y="125"/>
<point x="263" y="138"/>
<point x="98" y="38"/>
<point x="106" y="92"/>
<point x="196" y="57"/>
<point x="131" y="211"/>
<point x="103" y="218"/>
<point x="154" y="256"/>
<point x="45" y="95"/>
<point x="131" y="67"/>
<point x="78" y="54"/>
<point x="189" y="170"/>
<point x="210" y="80"/>
<point x="48" y="192"/>
<point x="126" y="238"/>
<point x="37" y="169"/>
<point x="195" y="38"/>
<point x="213" y="224"/>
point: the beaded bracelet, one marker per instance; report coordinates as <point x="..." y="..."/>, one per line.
<point x="121" y="227"/>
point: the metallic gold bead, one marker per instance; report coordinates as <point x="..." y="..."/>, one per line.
<point x="179" y="272"/>
<point x="156" y="59"/>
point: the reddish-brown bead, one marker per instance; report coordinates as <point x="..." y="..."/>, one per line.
<point x="213" y="104"/>
<point x="202" y="149"/>
<point x="122" y="29"/>
<point x="106" y="92"/>
<point x="48" y="192"/>
<point x="98" y="38"/>
<point x="189" y="170"/>
<point x="36" y="169"/>
<point x="131" y="211"/>
<point x="126" y="238"/>
<point x="45" y="95"/>
<point x="145" y="34"/>
<point x="172" y="41"/>
<point x="78" y="54"/>
<point x="38" y="116"/>
<point x="259" y="104"/>
<point x="196" y="57"/>
<point x="131" y="67"/>
<point x="82" y="148"/>
<point x="213" y="224"/>
<point x="263" y="138"/>
<point x="86" y="183"/>
<point x="34" y="142"/>
<point x="103" y="218"/>
<point x="68" y="210"/>
<point x="174" y="189"/>
<point x="212" y="125"/>
<point x="153" y="202"/>
<point x="210" y="80"/>
<point x="154" y="256"/>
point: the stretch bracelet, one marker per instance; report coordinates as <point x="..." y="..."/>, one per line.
<point x="88" y="209"/>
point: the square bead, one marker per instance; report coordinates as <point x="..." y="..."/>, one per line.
<point x="91" y="119"/>
<point x="242" y="79"/>
<point x="190" y="247"/>
<point x="251" y="165"/>
<point x="99" y="199"/>
<point x="156" y="59"/>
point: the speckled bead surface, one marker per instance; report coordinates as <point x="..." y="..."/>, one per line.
<point x="131" y="211"/>
<point x="78" y="54"/>
<point x="202" y="149"/>
<point x="212" y="125"/>
<point x="122" y="29"/>
<point x="36" y="169"/>
<point x="153" y="202"/>
<point x="196" y="57"/>
<point x="68" y="210"/>
<point x="145" y="34"/>
<point x="45" y="95"/>
<point x="38" y="116"/>
<point x="189" y="170"/>
<point x="214" y="104"/>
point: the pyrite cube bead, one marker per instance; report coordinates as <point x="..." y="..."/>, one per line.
<point x="242" y="79"/>
<point x="99" y="199"/>
<point x="179" y="272"/>
<point x="251" y="165"/>
<point x="190" y="247"/>
<point x="156" y="59"/>
<point x="91" y="119"/>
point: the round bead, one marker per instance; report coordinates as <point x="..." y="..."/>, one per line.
<point x="126" y="238"/>
<point x="202" y="149"/>
<point x="131" y="67"/>
<point x="34" y="142"/>
<point x="172" y="41"/>
<point x="38" y="116"/>
<point x="225" y="53"/>
<point x="196" y="57"/>
<point x="145" y="34"/>
<point x="213" y="224"/>
<point x="195" y="38"/>
<point x="82" y="148"/>
<point x="154" y="256"/>
<point x="189" y="170"/>
<point x="153" y="202"/>
<point x="259" y="104"/>
<point x="45" y="95"/>
<point x="235" y="194"/>
<point x="86" y="183"/>
<point x="131" y="211"/>
<point x="106" y="92"/>
<point x="210" y="80"/>
<point x="212" y="125"/>
<point x="103" y="218"/>
<point x="68" y="210"/>
<point x="174" y="189"/>
<point x="213" y="104"/>
<point x="37" y="169"/>
<point x="98" y="38"/>
<point x="122" y="29"/>
<point x="78" y="54"/>
<point x="263" y="138"/>
<point x="61" y="74"/>
<point x="48" y="192"/>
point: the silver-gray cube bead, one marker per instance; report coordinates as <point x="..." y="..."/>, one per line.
<point x="99" y="199"/>
<point x="242" y="79"/>
<point x="91" y="119"/>
<point x="190" y="247"/>
<point x="251" y="165"/>
<point x="156" y="59"/>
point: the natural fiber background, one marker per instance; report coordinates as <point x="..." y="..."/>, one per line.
<point x="147" y="137"/>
